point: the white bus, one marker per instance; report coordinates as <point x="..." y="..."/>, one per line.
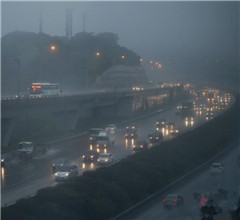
<point x="44" y="89"/>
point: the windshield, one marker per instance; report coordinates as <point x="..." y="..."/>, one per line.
<point x="171" y="197"/>
<point x="65" y="169"/>
<point x="102" y="138"/>
<point x="104" y="156"/>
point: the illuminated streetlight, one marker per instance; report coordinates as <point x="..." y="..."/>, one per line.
<point x="151" y="61"/>
<point x="53" y="48"/>
<point x="141" y="59"/>
<point x="123" y="57"/>
<point x="97" y="53"/>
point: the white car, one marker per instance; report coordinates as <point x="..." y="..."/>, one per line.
<point x="111" y="128"/>
<point x="66" y="172"/>
<point x="216" y="168"/>
<point x="105" y="158"/>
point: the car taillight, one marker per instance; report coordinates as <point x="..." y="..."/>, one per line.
<point x="175" y="201"/>
<point x="164" y="200"/>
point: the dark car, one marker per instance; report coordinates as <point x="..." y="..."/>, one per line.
<point x="57" y="164"/>
<point x="131" y="132"/>
<point x="90" y="156"/>
<point x="140" y="145"/>
<point x="156" y="137"/>
<point x="160" y="123"/>
<point x="173" y="200"/>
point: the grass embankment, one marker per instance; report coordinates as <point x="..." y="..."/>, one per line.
<point x="106" y="192"/>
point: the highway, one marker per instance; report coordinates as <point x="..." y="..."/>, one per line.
<point x="202" y="183"/>
<point x="21" y="179"/>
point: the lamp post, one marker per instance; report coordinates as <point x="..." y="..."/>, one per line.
<point x="17" y="60"/>
<point x="97" y="54"/>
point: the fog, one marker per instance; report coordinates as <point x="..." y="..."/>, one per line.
<point x="190" y="32"/>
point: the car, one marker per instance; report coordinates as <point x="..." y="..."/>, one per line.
<point x="160" y="124"/>
<point x="102" y="141"/>
<point x="57" y="164"/>
<point x="111" y="128"/>
<point x="105" y="158"/>
<point x="90" y="156"/>
<point x="140" y="145"/>
<point x="170" y="126"/>
<point x="209" y="115"/>
<point x="66" y="172"/>
<point x="93" y="133"/>
<point x="172" y="200"/>
<point x="216" y="168"/>
<point x="131" y="132"/>
<point x="175" y="131"/>
<point x="155" y="137"/>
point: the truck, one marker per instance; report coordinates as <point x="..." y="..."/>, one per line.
<point x="27" y="150"/>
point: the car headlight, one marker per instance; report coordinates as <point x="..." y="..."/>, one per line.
<point x="150" y="137"/>
<point x="66" y="174"/>
<point x="98" y="160"/>
<point x="56" y="174"/>
<point x="157" y="129"/>
<point x="83" y="156"/>
<point x="91" y="156"/>
<point x="106" y="160"/>
<point x="156" y="137"/>
<point x="2" y="160"/>
<point x="105" y="145"/>
<point x="131" y="134"/>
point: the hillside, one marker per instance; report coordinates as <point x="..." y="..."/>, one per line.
<point x="73" y="63"/>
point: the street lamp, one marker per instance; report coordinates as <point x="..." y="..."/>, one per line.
<point x="53" y="48"/>
<point x="123" y="57"/>
<point x="17" y="60"/>
<point x="97" y="54"/>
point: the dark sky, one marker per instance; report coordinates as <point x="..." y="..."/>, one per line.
<point x="151" y="29"/>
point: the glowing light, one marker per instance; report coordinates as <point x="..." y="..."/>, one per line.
<point x="123" y="57"/>
<point x="83" y="165"/>
<point x="132" y="142"/>
<point x="92" y="166"/>
<point x="53" y="48"/>
<point x="3" y="174"/>
<point x="91" y="147"/>
<point x="126" y="143"/>
<point x="97" y="53"/>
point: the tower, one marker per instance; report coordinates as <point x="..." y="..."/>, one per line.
<point x="68" y="28"/>
<point x="40" y="22"/>
<point x="84" y="21"/>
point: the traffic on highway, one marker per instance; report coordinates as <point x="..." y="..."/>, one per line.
<point x="27" y="172"/>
